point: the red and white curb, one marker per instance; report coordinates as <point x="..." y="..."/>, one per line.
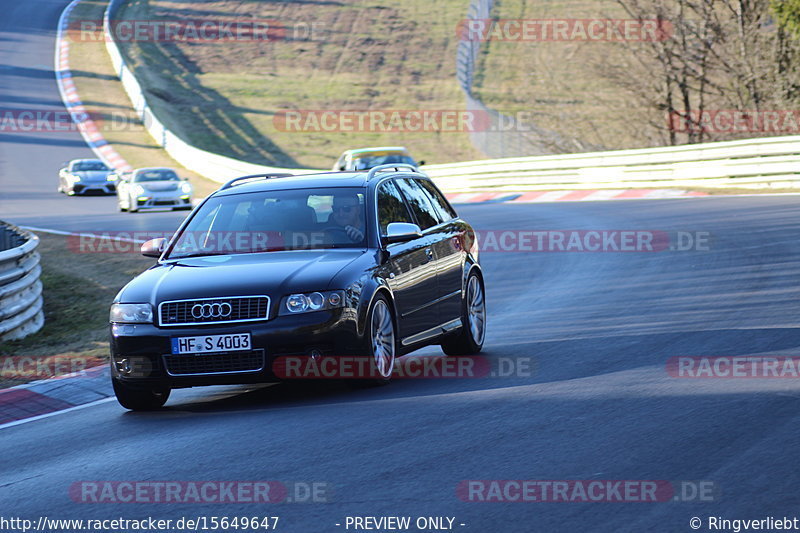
<point x="589" y="195"/>
<point x="49" y="396"/>
<point x="69" y="95"/>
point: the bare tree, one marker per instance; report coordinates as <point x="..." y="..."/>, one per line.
<point x="720" y="54"/>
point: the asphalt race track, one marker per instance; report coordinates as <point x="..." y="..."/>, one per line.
<point x="597" y="330"/>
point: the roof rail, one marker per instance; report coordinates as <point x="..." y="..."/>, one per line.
<point x="234" y="181"/>
<point x="396" y="166"/>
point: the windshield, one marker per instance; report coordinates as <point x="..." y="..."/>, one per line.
<point x="156" y="175"/>
<point x="364" y="163"/>
<point x="86" y="166"/>
<point x="268" y="221"/>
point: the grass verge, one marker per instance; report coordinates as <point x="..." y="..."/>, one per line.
<point x="78" y="290"/>
<point x="375" y="55"/>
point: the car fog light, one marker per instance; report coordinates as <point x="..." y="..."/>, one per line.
<point x="123" y="366"/>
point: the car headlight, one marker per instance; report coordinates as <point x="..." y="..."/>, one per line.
<point x="73" y="178"/>
<point x="312" y="301"/>
<point x="131" y="314"/>
<point x="111" y="177"/>
<point x="186" y="188"/>
<point x="138" y="189"/>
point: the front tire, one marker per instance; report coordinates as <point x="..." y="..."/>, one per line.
<point x="468" y="340"/>
<point x="381" y="344"/>
<point x="139" y="399"/>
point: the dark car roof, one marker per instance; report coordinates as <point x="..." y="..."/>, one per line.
<point x="300" y="181"/>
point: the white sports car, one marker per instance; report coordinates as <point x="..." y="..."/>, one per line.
<point x="153" y="188"/>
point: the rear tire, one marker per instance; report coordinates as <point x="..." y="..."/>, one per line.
<point x="468" y="340"/>
<point x="139" y="399"/>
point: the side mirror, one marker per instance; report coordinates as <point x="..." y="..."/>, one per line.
<point x="420" y="163"/>
<point x="62" y="170"/>
<point x="154" y="247"/>
<point x="401" y="232"/>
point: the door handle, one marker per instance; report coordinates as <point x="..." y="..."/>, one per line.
<point x="429" y="253"/>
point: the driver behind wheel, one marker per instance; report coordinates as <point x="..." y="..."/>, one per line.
<point x="346" y="218"/>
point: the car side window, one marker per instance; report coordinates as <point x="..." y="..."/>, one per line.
<point x="391" y="207"/>
<point x="446" y="212"/>
<point x="418" y="201"/>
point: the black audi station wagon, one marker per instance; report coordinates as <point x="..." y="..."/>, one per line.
<point x="372" y="264"/>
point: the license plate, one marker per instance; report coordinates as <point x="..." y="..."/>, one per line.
<point x="211" y="343"/>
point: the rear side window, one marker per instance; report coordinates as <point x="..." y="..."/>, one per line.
<point x="437" y="200"/>
<point x="391" y="207"/>
<point x="418" y="201"/>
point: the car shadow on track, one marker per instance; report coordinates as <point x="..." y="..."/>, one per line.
<point x="546" y="363"/>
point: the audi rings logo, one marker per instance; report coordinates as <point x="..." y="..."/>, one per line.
<point x="222" y="310"/>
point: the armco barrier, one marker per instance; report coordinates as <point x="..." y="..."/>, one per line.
<point x="772" y="162"/>
<point x="20" y="289"/>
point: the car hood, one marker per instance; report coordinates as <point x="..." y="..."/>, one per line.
<point x="272" y="273"/>
<point x="92" y="175"/>
<point x="156" y="186"/>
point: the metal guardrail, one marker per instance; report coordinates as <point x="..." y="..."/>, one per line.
<point x="765" y="163"/>
<point x="20" y="289"/>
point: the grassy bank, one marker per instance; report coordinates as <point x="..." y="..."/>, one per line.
<point x="78" y="290"/>
<point x="364" y="55"/>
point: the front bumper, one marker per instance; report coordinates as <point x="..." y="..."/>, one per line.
<point x="105" y="187"/>
<point x="140" y="353"/>
<point x="160" y="200"/>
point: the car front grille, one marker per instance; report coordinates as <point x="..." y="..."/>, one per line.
<point x="224" y="363"/>
<point x="213" y="311"/>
